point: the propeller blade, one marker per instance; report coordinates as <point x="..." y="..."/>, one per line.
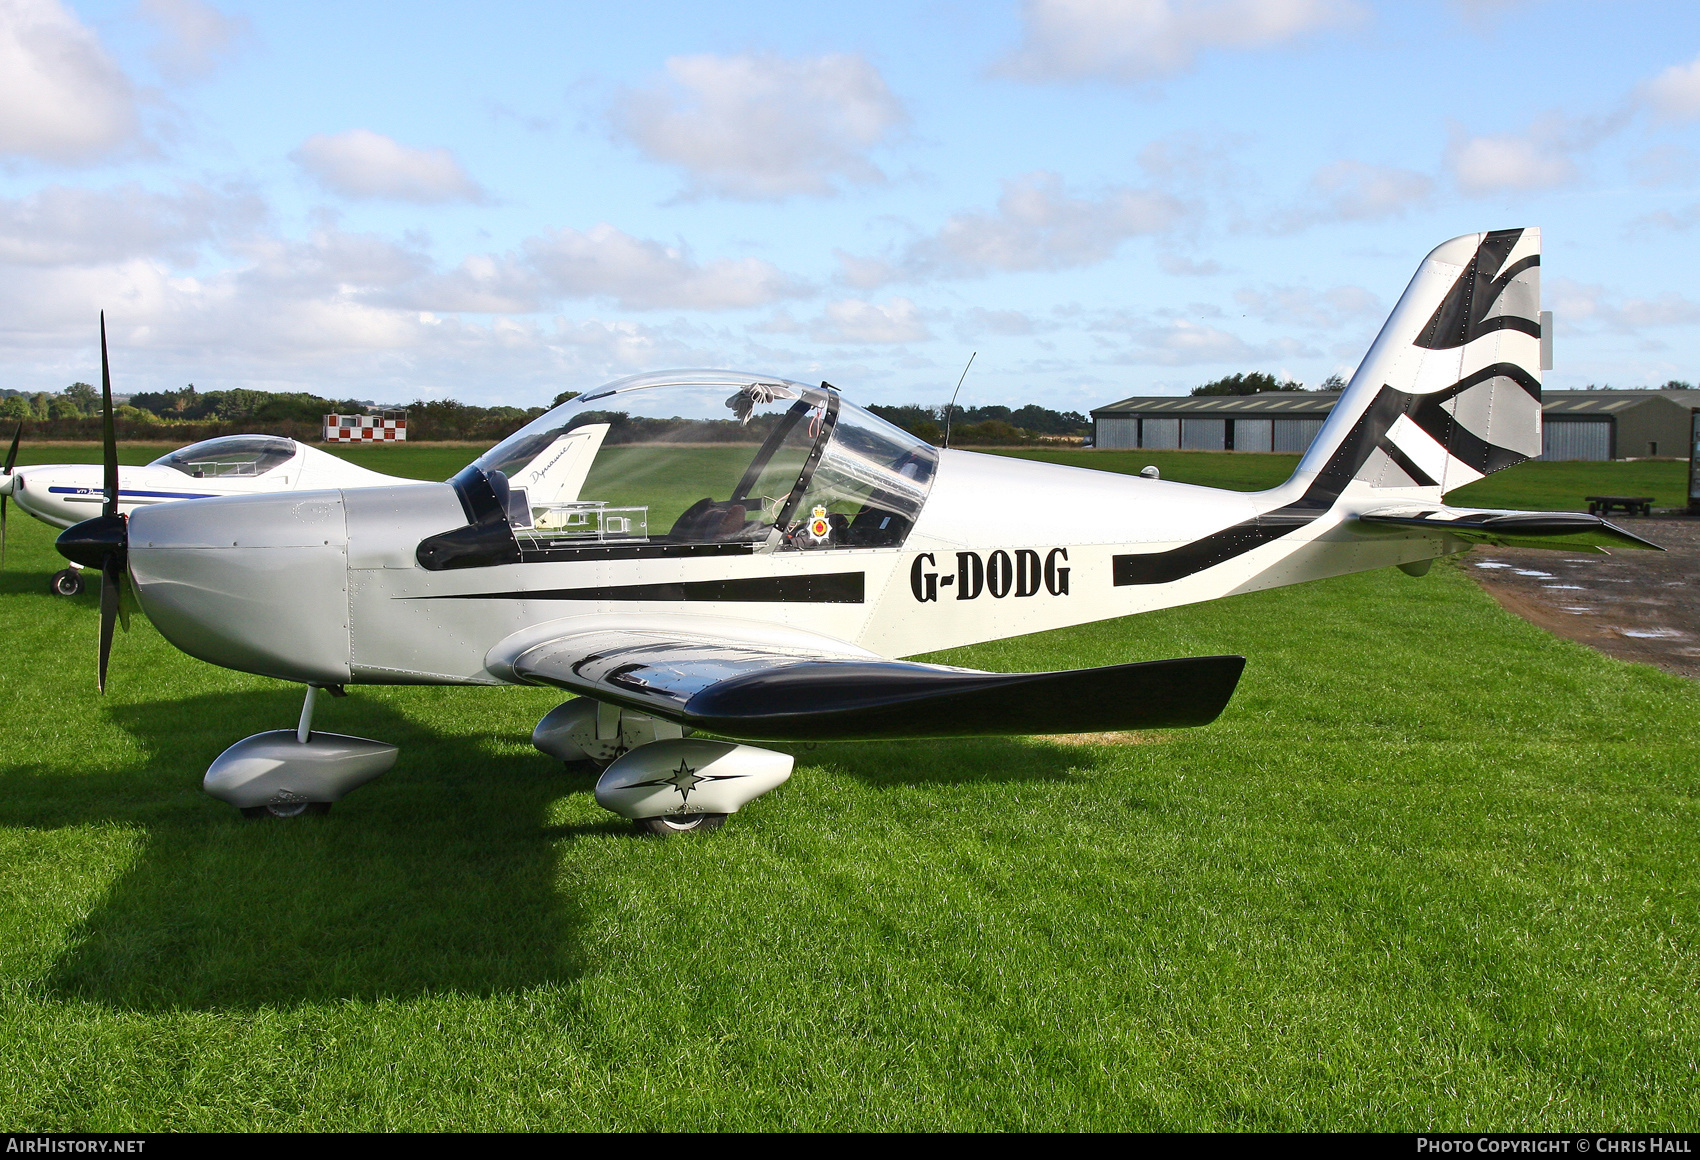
<point x="11" y="462"/>
<point x="111" y="576"/>
<point x="108" y="433"/>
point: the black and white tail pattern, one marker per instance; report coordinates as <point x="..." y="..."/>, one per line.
<point x="1451" y="390"/>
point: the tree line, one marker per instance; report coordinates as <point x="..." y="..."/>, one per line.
<point x="1258" y="383"/>
<point x="986" y="425"/>
<point x="189" y="414"/>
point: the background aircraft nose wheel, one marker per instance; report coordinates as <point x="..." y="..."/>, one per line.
<point x="287" y="810"/>
<point x="67" y="582"/>
<point x="665" y="826"/>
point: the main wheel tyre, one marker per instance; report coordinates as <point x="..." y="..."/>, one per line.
<point x="287" y="810"/>
<point x="67" y="582"/>
<point x="667" y="825"/>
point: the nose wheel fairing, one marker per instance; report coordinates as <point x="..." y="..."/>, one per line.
<point x="290" y="772"/>
<point x="277" y="770"/>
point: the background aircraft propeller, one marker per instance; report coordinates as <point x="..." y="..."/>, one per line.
<point x="6" y="494"/>
<point x="103" y="542"/>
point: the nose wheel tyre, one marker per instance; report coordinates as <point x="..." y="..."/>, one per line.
<point x="66" y="582"/>
<point x="666" y="826"/>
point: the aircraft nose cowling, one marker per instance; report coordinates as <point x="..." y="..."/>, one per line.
<point x="255" y="583"/>
<point x="60" y="495"/>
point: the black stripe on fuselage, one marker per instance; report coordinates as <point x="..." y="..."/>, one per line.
<point x="1220" y="547"/>
<point x="825" y="588"/>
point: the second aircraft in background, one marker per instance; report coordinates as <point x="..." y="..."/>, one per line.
<point x="62" y="494"/>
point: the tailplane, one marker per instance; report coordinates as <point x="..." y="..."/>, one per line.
<point x="1451" y="389"/>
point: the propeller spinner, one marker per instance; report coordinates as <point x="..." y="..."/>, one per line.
<point x="103" y="542"/>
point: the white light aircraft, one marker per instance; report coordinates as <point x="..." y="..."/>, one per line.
<point x="62" y="494"/>
<point x="747" y="557"/>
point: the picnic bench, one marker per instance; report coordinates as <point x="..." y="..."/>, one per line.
<point x="1629" y="505"/>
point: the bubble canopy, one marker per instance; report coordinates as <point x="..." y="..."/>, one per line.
<point x="708" y="457"/>
<point x="229" y="455"/>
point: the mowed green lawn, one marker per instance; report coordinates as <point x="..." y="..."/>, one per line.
<point x="1432" y="869"/>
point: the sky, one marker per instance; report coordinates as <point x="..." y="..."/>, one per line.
<point x="1102" y="198"/>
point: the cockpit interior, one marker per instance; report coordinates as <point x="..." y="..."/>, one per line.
<point x="707" y="457"/>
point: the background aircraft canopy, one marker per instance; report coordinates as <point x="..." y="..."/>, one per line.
<point x="712" y="457"/>
<point x="244" y="455"/>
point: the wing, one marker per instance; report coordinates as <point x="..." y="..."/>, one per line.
<point x="1571" y="531"/>
<point x="764" y="692"/>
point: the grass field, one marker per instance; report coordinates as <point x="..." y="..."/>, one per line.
<point x="1434" y="868"/>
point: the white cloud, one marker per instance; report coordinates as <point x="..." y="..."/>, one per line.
<point x="760" y="127"/>
<point x="62" y="98"/>
<point x="1574" y="302"/>
<point x="364" y="164"/>
<point x="1542" y="156"/>
<point x="194" y="37"/>
<point x="281" y="323"/>
<point x="1663" y="219"/>
<point x="858" y="321"/>
<point x="1674" y="94"/>
<point x="1195" y="161"/>
<point x="1483" y="165"/>
<point x="330" y="262"/>
<point x="1006" y="323"/>
<point x="780" y="322"/>
<point x="64" y="225"/>
<point x="641" y="274"/>
<point x="564" y="264"/>
<point x="1037" y="226"/>
<point x="1134" y="41"/>
<point x="864" y="273"/>
<point x="192" y="278"/>
<point x="1356" y="191"/>
<point x="1482" y="15"/>
<point x="1302" y="306"/>
<point x="1135" y="339"/>
<point x="1182" y="266"/>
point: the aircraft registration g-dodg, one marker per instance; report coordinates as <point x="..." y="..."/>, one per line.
<point x="710" y="552"/>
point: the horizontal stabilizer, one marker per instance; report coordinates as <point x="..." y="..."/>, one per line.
<point x="761" y="694"/>
<point x="1574" y="531"/>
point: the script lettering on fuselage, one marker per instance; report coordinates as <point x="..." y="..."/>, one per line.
<point x="1022" y="572"/>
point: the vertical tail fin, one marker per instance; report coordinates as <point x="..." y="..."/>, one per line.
<point x="1451" y="389"/>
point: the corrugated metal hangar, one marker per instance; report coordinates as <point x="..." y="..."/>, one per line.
<point x="1575" y="424"/>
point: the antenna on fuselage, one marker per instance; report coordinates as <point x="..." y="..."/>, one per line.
<point x="952" y="408"/>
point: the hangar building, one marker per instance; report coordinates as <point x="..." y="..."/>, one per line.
<point x="1575" y="424"/>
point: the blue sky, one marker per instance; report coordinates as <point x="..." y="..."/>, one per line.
<point x="498" y="202"/>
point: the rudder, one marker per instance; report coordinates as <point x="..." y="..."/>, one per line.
<point x="1451" y="389"/>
